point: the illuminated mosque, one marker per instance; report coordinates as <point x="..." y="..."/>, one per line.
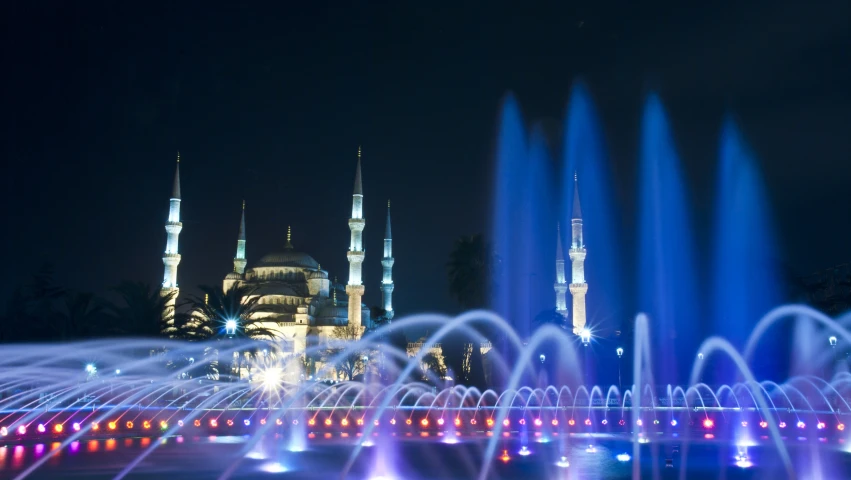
<point x="298" y="297"/>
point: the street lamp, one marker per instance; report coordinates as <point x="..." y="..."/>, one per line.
<point x="230" y="327"/>
<point x="619" y="351"/>
<point x="585" y="335"/>
<point x="543" y="357"/>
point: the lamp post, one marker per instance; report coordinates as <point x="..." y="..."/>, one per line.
<point x="832" y="341"/>
<point x="619" y="351"/>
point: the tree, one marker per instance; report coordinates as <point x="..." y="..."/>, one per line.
<point x="471" y="269"/>
<point x="144" y="312"/>
<point x="351" y="361"/>
<point x="549" y="317"/>
<point x="80" y="316"/>
<point x="210" y="313"/>
<point x="432" y="363"/>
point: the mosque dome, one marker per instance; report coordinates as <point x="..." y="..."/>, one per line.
<point x="233" y="276"/>
<point x="320" y="274"/>
<point x="288" y="258"/>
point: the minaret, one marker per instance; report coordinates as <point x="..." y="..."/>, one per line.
<point x="387" y="264"/>
<point x="561" y="283"/>
<point x="171" y="258"/>
<point x="239" y="260"/>
<point x="355" y="287"/>
<point x="578" y="287"/>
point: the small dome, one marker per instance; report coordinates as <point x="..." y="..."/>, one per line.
<point x="320" y="274"/>
<point x="233" y="276"/>
<point x="288" y="258"/>
<point x="341" y="310"/>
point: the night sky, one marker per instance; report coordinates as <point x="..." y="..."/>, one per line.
<point x="269" y="104"/>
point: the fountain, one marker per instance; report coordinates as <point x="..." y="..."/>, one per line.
<point x="626" y="399"/>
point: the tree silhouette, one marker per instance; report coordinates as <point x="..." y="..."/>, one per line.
<point x="471" y="268"/>
<point x="143" y="312"/>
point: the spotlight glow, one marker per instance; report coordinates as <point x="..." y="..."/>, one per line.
<point x="311" y="422"/>
<point x="763" y="424"/>
<point x="505" y="458"/>
<point x="673" y="423"/>
<point x="230" y="422"/>
<point x="344" y="422"/>
<point x="3" y="431"/>
<point x="562" y="462"/>
<point x="538" y="422"/>
<point x="440" y="421"/>
<point x="605" y="422"/>
<point x="555" y="422"/>
<point x="214" y="423"/>
<point x="76" y="427"/>
<point x="457" y="421"/>
<point x="129" y="424"/>
<point x="524" y="451"/>
<point x="623" y="457"/>
<point x="639" y="422"/>
<point x="246" y="422"/>
<point x="840" y="427"/>
<point x="41" y="428"/>
<point x="588" y="422"/>
<point x="571" y="422"/>
<point x="58" y="428"/>
<point x="146" y="424"/>
<point x="424" y="422"/>
<point x="327" y="422"/>
<point x="506" y="422"/>
<point x="163" y="425"/>
<point x="782" y="425"/>
<point x="22" y="430"/>
<point x="489" y="422"/>
<point x="708" y="423"/>
<point x="591" y="449"/>
<point x="801" y="424"/>
<point x="820" y="425"/>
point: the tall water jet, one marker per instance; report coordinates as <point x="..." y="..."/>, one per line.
<point x="520" y="220"/>
<point x="666" y="266"/>
<point x="746" y="280"/>
<point x="585" y="158"/>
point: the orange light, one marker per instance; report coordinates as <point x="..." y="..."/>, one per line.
<point x="111" y="425"/>
<point x="214" y="423"/>
<point x="163" y="424"/>
<point x="763" y="424"/>
<point x="359" y="421"/>
<point x="311" y="422"/>
<point x="344" y="422"/>
<point x="146" y="424"/>
<point x="278" y="422"/>
<point x="457" y="421"/>
<point x="708" y="423"/>
<point x="424" y="422"/>
<point x="95" y="426"/>
<point x="57" y="428"/>
<point x="327" y="422"/>
<point x="840" y="427"/>
<point x="489" y="421"/>
<point x="555" y="422"/>
<point x="505" y="458"/>
<point x="571" y="422"/>
<point x="522" y="421"/>
<point x="588" y="422"/>
<point x="230" y="423"/>
<point x="129" y="424"/>
<point x="197" y="423"/>
<point x="440" y="421"/>
<point x="408" y="421"/>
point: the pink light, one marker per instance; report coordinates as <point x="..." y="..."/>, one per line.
<point x="744" y="424"/>
<point x="506" y="422"/>
<point x="782" y="425"/>
<point x="639" y="422"/>
<point x="708" y="423"/>
<point x="840" y="427"/>
<point x="22" y="430"/>
<point x="538" y="422"/>
<point x="763" y="424"/>
<point x="605" y="422"/>
<point x="41" y="428"/>
<point x="571" y="422"/>
<point x="76" y="427"/>
<point x="588" y="422"/>
<point x="673" y="423"/>
<point x="801" y="424"/>
<point x="820" y="425"/>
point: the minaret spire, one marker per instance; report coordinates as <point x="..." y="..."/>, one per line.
<point x="171" y="258"/>
<point x="578" y="286"/>
<point x="561" y="283"/>
<point x="355" y="288"/>
<point x="387" y="265"/>
<point x="289" y="245"/>
<point x="239" y="261"/>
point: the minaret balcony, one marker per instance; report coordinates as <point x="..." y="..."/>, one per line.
<point x="357" y="224"/>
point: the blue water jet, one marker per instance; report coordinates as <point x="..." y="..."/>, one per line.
<point x="667" y="274"/>
<point x="746" y="277"/>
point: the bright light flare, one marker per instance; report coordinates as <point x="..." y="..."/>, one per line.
<point x="22" y="430"/>
<point x="673" y="423"/>
<point x="820" y="425"/>
<point x="524" y="451"/>
<point x="424" y="422"/>
<point x="563" y="463"/>
<point x="505" y="458"/>
<point x="271" y="378"/>
<point x="41" y="428"/>
<point x="58" y="428"/>
<point x="708" y="423"/>
<point x="840" y="427"/>
<point x="457" y="421"/>
<point x="3" y="431"/>
<point x="591" y="449"/>
<point x="763" y="424"/>
<point x="623" y="457"/>
<point x="76" y="427"/>
<point x="801" y="424"/>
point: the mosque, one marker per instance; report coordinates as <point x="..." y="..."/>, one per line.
<point x="299" y="299"/>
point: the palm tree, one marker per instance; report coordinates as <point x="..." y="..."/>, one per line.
<point x="471" y="269"/>
<point x="144" y="312"/>
<point x="80" y="316"/>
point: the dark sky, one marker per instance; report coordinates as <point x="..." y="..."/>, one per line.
<point x="269" y="103"/>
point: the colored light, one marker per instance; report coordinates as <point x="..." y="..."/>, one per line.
<point x="489" y="421"/>
<point x="246" y="422"/>
<point x="408" y="421"/>
<point x="472" y="421"/>
<point x="605" y="422"/>
<point x="163" y="424"/>
<point x="639" y="422"/>
<point x="57" y="428"/>
<point x="359" y="421"/>
<point x="708" y="423"/>
<point x="571" y="422"/>
<point x="424" y="422"/>
<point x="744" y="423"/>
<point x="214" y="423"/>
<point x="197" y="423"/>
<point x="457" y="421"/>
<point x="522" y="421"/>
<point x="262" y="421"/>
<point x="440" y="421"/>
<point x="505" y="458"/>
<point x="763" y="424"/>
<point x="656" y="422"/>
<point x="146" y="424"/>
<point x="3" y="431"/>
<point x="840" y="427"/>
<point x="621" y="422"/>
<point x="327" y="422"/>
<point x="782" y="425"/>
<point x="129" y="424"/>
<point x="392" y="421"/>
<point x="555" y="422"/>
<point x="820" y="425"/>
<point x="344" y="422"/>
<point x="588" y="422"/>
<point x="673" y="423"/>
<point x="41" y="428"/>
<point x="311" y="422"/>
<point x="76" y="427"/>
<point x="623" y="457"/>
<point x="22" y="430"/>
<point x="279" y="422"/>
<point x="801" y="424"/>
<point x="229" y="422"/>
<point x="95" y="426"/>
<point x="506" y="422"/>
<point x="375" y="423"/>
<point x="180" y="423"/>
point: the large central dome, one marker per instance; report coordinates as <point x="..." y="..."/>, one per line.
<point x="288" y="258"/>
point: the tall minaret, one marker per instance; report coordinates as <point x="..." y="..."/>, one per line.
<point x="387" y="264"/>
<point x="578" y="287"/>
<point x="561" y="283"/>
<point x="239" y="260"/>
<point x="172" y="227"/>
<point x="355" y="287"/>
